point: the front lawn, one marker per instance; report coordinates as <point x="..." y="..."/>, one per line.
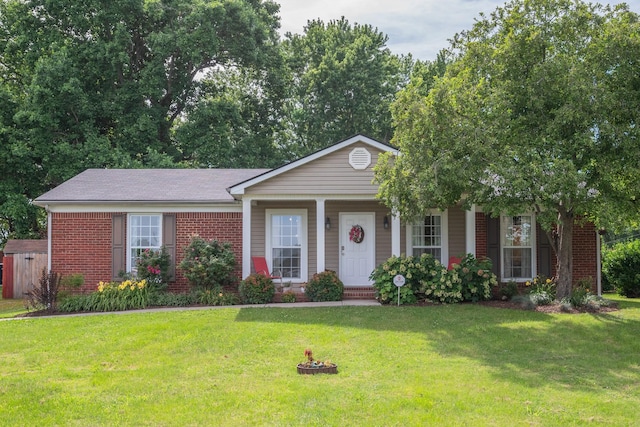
<point x="437" y="365"/>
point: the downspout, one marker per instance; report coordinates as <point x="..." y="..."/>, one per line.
<point x="599" y="264"/>
<point x="49" y="227"/>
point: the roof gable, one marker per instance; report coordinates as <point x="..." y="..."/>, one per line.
<point x="240" y="188"/>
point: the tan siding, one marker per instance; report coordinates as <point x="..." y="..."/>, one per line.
<point x="332" y="238"/>
<point x="330" y="174"/>
<point x="258" y="228"/>
<point x="457" y="246"/>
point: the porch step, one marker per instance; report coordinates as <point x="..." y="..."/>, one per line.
<point x="363" y="292"/>
<point x="350" y="293"/>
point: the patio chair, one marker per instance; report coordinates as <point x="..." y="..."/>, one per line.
<point x="453" y="260"/>
<point x="261" y="267"/>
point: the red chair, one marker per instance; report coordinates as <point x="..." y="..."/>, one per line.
<point x="453" y="260"/>
<point x="261" y="267"/>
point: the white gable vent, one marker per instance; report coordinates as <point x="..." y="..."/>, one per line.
<point x="359" y="158"/>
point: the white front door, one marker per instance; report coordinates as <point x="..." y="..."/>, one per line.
<point x="357" y="259"/>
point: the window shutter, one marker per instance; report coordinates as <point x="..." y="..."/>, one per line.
<point x="493" y="243"/>
<point x="545" y="252"/>
<point x="169" y="240"/>
<point x="118" y="246"/>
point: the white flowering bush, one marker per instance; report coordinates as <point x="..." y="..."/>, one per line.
<point x="427" y="279"/>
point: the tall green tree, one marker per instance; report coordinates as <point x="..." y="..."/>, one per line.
<point x="539" y="113"/>
<point x="344" y="79"/>
<point x="102" y="83"/>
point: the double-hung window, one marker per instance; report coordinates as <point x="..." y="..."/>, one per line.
<point x="287" y="243"/>
<point x="518" y="247"/>
<point x="429" y="236"/>
<point x="145" y="232"/>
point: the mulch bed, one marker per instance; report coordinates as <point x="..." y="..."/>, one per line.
<point x="551" y="308"/>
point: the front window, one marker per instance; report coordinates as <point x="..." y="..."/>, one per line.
<point x="518" y="236"/>
<point x="429" y="236"/>
<point x="145" y="232"/>
<point x="287" y="231"/>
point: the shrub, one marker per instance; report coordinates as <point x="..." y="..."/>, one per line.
<point x="154" y="267"/>
<point x="168" y="299"/>
<point x="324" y="286"/>
<point x="208" y="263"/>
<point x="440" y="285"/>
<point x="542" y="290"/>
<point x="289" y="296"/>
<point x="477" y="278"/>
<point x="215" y="297"/>
<point x="382" y="276"/>
<point x="44" y="296"/>
<point x="257" y="289"/>
<point x="426" y="278"/>
<point x="621" y="268"/>
<point x="76" y="303"/>
<point x="508" y="290"/>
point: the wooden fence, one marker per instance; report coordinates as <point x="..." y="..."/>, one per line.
<point x="27" y="270"/>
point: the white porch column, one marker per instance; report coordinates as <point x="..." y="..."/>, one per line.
<point x="246" y="236"/>
<point x="470" y="227"/>
<point x="320" y="230"/>
<point x="599" y="264"/>
<point x="395" y="235"/>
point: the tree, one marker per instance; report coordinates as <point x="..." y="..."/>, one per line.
<point x="538" y="113"/>
<point x="343" y="82"/>
<point x="102" y="84"/>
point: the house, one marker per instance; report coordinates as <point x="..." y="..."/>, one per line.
<point x="299" y="216"/>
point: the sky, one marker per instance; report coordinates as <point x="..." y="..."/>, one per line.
<point x="419" y="27"/>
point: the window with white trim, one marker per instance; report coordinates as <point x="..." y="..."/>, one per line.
<point x="429" y="236"/>
<point x="287" y="244"/>
<point x="144" y="232"/>
<point x="518" y="247"/>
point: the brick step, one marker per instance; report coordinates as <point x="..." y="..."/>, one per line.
<point x="350" y="293"/>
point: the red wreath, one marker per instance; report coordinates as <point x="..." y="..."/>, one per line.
<point x="356" y="234"/>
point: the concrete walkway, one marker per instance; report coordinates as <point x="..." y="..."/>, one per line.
<point x="343" y="303"/>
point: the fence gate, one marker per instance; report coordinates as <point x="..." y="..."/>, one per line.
<point x="27" y="269"/>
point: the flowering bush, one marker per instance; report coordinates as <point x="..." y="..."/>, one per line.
<point x="110" y="296"/>
<point x="324" y="286"/>
<point x="477" y="278"/>
<point x="257" y="289"/>
<point x="154" y="267"/>
<point x="208" y="263"/>
<point x="427" y="278"/>
<point x="542" y="291"/>
<point x="215" y="297"/>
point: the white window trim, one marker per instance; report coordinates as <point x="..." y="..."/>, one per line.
<point x="534" y="255"/>
<point x="129" y="234"/>
<point x="444" y="224"/>
<point x="304" y="262"/>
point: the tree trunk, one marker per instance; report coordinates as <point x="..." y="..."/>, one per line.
<point x="564" y="254"/>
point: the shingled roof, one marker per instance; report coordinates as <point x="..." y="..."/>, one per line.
<point x="149" y="185"/>
<point x="25" y="246"/>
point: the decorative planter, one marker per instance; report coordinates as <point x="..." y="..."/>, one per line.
<point x="312" y="370"/>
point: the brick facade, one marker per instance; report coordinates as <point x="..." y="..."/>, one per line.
<point x="81" y="242"/>
<point x="584" y="249"/>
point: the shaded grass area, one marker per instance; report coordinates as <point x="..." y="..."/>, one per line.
<point x="438" y="365"/>
<point x="11" y="307"/>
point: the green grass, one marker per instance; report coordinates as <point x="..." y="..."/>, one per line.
<point x="461" y="365"/>
<point x="11" y="307"/>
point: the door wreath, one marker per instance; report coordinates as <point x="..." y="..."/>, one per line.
<point x="356" y="234"/>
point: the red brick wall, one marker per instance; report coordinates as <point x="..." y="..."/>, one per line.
<point x="81" y="242"/>
<point x="223" y="226"/>
<point x="585" y="264"/>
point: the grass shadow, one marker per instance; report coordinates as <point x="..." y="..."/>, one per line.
<point x="586" y="351"/>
